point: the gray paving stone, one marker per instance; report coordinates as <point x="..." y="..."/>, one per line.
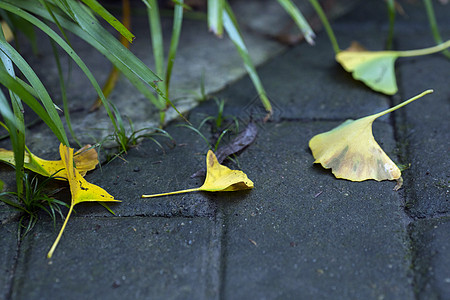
<point x="304" y="83"/>
<point x="431" y="258"/>
<point x="8" y="176"/>
<point x="300" y="233"/>
<point x="303" y="234"/>
<point x="8" y="254"/>
<point x="147" y="169"/>
<point x="118" y="258"/>
<point x="425" y="130"/>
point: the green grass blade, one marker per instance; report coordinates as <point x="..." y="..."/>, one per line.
<point x="326" y="24"/>
<point x="299" y="19"/>
<point x="176" y="30"/>
<point x="74" y="28"/>
<point x="13" y="85"/>
<point x="66" y="48"/>
<point x="232" y="29"/>
<point x="37" y="86"/>
<point x="7" y="113"/>
<point x="157" y="43"/>
<point x="215" y="14"/>
<point x="434" y="26"/>
<point x="391" y="14"/>
<point x="156" y="36"/>
<point x="63" y="92"/>
<point x="100" y="10"/>
<point x="198" y="132"/>
<point x="55" y="20"/>
<point x="94" y="29"/>
<point x="16" y="128"/>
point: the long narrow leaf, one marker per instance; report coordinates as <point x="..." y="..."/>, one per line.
<point x="113" y="76"/>
<point x="7" y="112"/>
<point x="157" y="43"/>
<point x="215" y="13"/>
<point x="232" y="29"/>
<point x="55" y="20"/>
<point x="74" y="28"/>
<point x="63" y="92"/>
<point x="299" y="19"/>
<point x="326" y="24"/>
<point x="9" y="82"/>
<point x="156" y="36"/>
<point x="66" y="48"/>
<point x="95" y="6"/>
<point x="93" y="28"/>
<point x="177" y="21"/>
<point x="391" y="14"/>
<point x="37" y="86"/>
<point x="16" y="127"/>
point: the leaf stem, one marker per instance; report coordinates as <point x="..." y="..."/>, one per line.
<point x="403" y="103"/>
<point x="425" y="51"/>
<point x="171" y="193"/>
<point x="52" y="249"/>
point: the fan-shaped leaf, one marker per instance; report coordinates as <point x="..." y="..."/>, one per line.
<point x="376" y="68"/>
<point x="219" y="178"/>
<point x="80" y="189"/>
<point x="352" y="153"/>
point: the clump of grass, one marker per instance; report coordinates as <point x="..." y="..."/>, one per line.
<point x="220" y="126"/>
<point x="35" y="198"/>
<point x="126" y="139"/>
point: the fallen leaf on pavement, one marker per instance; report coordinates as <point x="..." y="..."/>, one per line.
<point x="352" y="153"/>
<point x="85" y="160"/>
<point x="376" y="68"/>
<point x="80" y="189"/>
<point x="218" y="178"/>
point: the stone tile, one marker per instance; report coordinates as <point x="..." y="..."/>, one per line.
<point x="431" y="258"/>
<point x="425" y="131"/>
<point x="301" y="233"/>
<point x="118" y="258"/>
<point x="147" y="169"/>
<point x="304" y="83"/>
<point x="8" y="176"/>
<point x="8" y="254"/>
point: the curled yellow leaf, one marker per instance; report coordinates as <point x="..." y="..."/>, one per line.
<point x="352" y="153"/>
<point x="80" y="189"/>
<point x="85" y="160"/>
<point x="219" y="178"/>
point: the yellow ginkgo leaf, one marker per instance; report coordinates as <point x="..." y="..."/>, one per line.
<point x="218" y="178"/>
<point x="80" y="189"/>
<point x="352" y="153"/>
<point x="85" y="160"/>
<point x="376" y="68"/>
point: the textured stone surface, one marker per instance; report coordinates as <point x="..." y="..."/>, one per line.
<point x="426" y="130"/>
<point x="8" y="254"/>
<point x="431" y="258"/>
<point x="300" y="233"/>
<point x="119" y="258"/>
